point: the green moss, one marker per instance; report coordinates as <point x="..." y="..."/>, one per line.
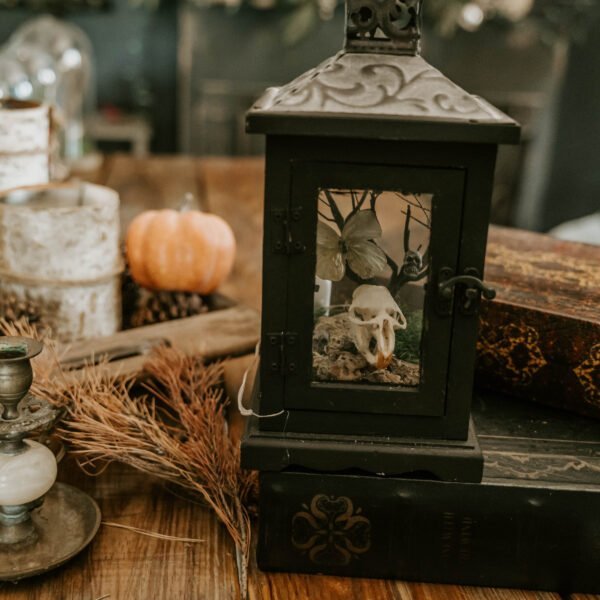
<point x="408" y="341"/>
<point x="318" y="313"/>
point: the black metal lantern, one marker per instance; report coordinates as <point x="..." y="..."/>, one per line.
<point x="379" y="175"/>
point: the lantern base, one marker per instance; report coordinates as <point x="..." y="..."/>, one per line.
<point x="445" y="460"/>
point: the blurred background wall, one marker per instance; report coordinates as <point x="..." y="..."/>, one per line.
<point x="136" y="59"/>
<point x="191" y="70"/>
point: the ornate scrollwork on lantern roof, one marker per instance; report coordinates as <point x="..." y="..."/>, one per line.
<point x="358" y="84"/>
<point x="389" y="26"/>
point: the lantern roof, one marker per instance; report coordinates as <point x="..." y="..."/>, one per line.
<point x="379" y="87"/>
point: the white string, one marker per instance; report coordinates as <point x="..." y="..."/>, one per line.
<point x="248" y="412"/>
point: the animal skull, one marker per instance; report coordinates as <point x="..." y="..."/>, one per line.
<point x="413" y="263"/>
<point x="374" y="318"/>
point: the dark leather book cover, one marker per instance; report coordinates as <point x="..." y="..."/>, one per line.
<point x="533" y="523"/>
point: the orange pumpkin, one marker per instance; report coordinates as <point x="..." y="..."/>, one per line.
<point x="187" y="251"/>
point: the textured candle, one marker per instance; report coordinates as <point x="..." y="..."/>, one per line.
<point x="27" y="476"/>
<point x="59" y="246"/>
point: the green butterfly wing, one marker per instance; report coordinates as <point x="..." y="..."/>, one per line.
<point x="366" y="259"/>
<point x="330" y="261"/>
<point x="363" y="225"/>
<point x="364" y="256"/>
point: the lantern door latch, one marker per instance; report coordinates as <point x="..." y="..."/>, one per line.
<point x="470" y="288"/>
<point x="281" y="352"/>
<point x="285" y="231"/>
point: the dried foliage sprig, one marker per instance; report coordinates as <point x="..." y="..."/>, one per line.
<point x="177" y="430"/>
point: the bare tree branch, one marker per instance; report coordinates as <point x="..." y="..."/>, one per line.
<point x="418" y="221"/>
<point x="335" y="211"/>
<point x="326" y="218"/>
<point x="374" y="195"/>
<point x="415" y="202"/>
<point x="407" y="229"/>
<point x="392" y="265"/>
<point x="362" y="200"/>
<point x="426" y="212"/>
<point x="353" y="276"/>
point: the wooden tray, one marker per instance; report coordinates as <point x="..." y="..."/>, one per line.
<point x="229" y="332"/>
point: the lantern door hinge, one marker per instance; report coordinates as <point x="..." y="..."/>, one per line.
<point x="470" y="288"/>
<point x="286" y="239"/>
<point x="281" y="352"/>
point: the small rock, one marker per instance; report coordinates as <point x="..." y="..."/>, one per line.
<point x="335" y="358"/>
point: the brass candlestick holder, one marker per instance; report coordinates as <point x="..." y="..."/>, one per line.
<point x="42" y="523"/>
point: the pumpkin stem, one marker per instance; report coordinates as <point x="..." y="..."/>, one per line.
<point x="188" y="202"/>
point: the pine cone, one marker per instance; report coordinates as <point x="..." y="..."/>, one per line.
<point x="158" y="307"/>
<point x="14" y="308"/>
<point x="130" y="296"/>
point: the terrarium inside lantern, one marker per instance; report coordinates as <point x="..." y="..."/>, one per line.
<point x="379" y="174"/>
<point x="372" y="264"/>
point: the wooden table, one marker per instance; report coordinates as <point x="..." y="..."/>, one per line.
<point x="121" y="565"/>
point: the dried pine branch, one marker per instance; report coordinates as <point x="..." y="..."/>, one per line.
<point x="177" y="431"/>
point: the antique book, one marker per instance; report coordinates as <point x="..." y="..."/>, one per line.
<point x="540" y="338"/>
<point x="532" y="523"/>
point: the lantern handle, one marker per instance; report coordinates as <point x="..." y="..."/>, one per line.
<point x="384" y="26"/>
<point x="472" y="288"/>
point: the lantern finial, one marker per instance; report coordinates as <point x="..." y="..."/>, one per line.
<point x="384" y="26"/>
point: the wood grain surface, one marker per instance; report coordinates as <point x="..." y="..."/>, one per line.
<point x="121" y="565"/>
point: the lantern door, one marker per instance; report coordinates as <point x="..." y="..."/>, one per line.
<point x="364" y="333"/>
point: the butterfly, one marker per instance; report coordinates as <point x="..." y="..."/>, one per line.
<point x="357" y="246"/>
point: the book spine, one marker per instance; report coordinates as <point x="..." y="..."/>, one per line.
<point x="468" y="534"/>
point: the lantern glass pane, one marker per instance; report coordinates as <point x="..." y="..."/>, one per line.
<point x="372" y="264"/>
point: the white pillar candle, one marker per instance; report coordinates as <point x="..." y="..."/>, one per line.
<point x="59" y="246"/>
<point x="27" y="476"/>
<point x="323" y="295"/>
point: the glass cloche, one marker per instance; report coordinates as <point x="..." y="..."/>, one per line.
<point x="57" y="58"/>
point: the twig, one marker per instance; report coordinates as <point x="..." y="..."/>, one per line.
<point x="426" y="212"/>
<point x="407" y="229"/>
<point x="326" y="218"/>
<point x="373" y="199"/>
<point x="362" y="200"/>
<point x="354" y="277"/>
<point x="415" y="202"/>
<point x="417" y="220"/>
<point x="153" y="534"/>
<point x="335" y="211"/>
<point x="240" y="557"/>
<point x="392" y="265"/>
